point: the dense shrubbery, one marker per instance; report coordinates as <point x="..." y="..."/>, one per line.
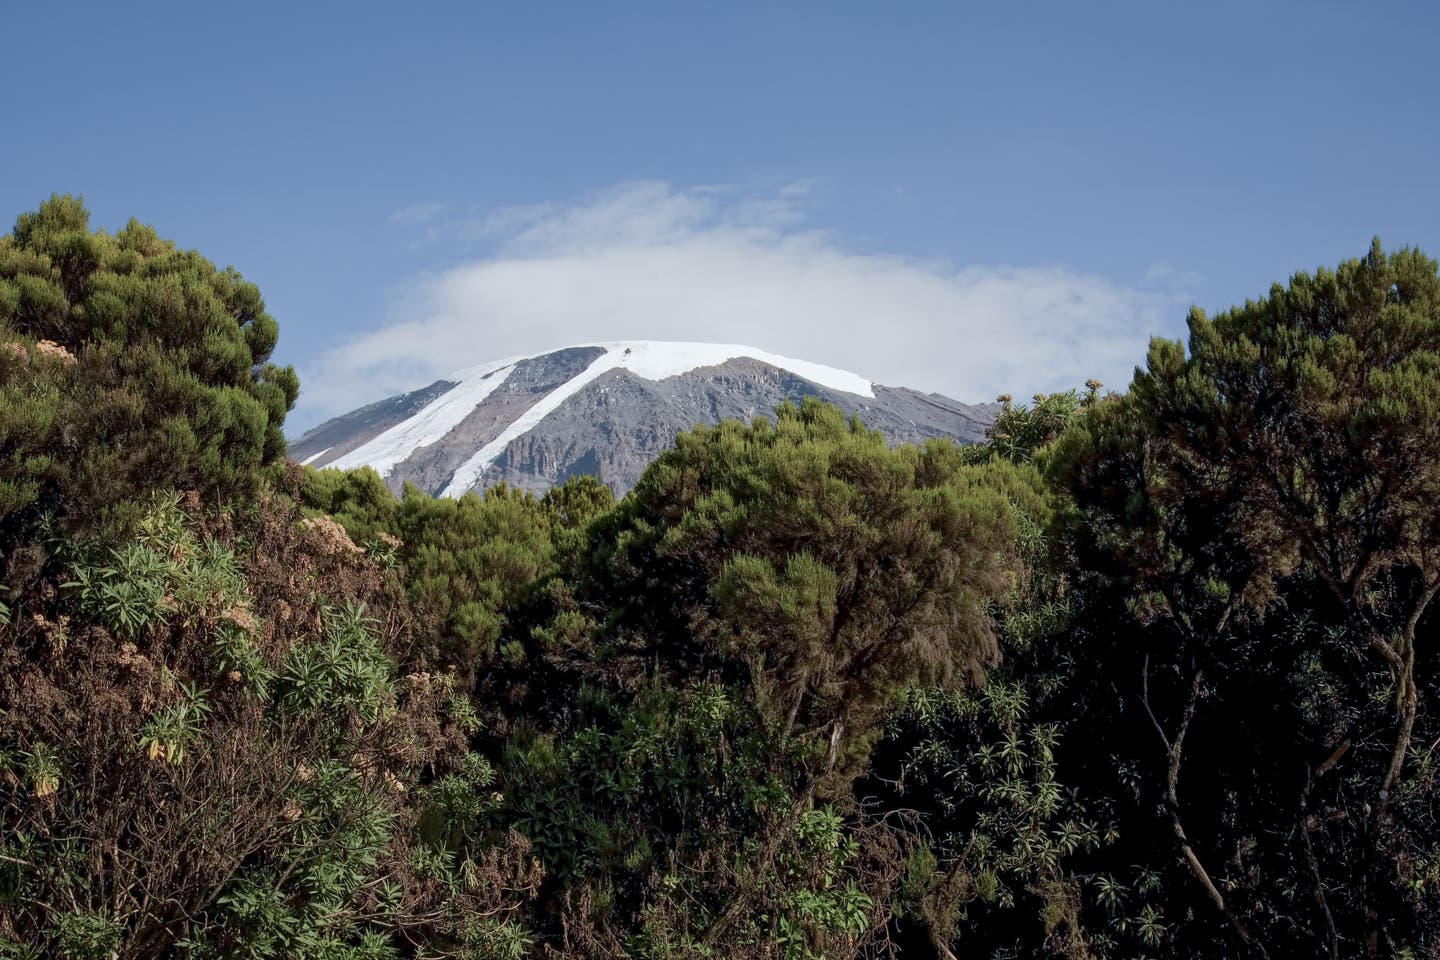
<point x="1146" y="675"/>
<point x="211" y="743"/>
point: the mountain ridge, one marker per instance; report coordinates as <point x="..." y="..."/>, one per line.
<point x="607" y="408"/>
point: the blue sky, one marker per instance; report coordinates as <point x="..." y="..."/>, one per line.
<point x="921" y="189"/>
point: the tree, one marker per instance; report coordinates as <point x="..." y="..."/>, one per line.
<point x="128" y="363"/>
<point x="807" y="560"/>
<point x="1284" y="473"/>
<point x="1004" y="854"/>
<point x="707" y="669"/>
<point x="216" y="739"/>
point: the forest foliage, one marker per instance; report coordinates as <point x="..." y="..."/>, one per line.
<point x="1149" y="674"/>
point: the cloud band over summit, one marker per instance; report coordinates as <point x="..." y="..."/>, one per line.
<point x="649" y="260"/>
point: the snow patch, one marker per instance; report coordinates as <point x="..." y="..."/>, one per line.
<point x="313" y="457"/>
<point x="659" y="359"/>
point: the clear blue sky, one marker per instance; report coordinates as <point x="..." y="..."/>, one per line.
<point x="1230" y="142"/>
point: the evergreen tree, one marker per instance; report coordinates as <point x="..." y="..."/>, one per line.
<point x="128" y="363"/>
<point x="1266" y="507"/>
<point x="811" y="562"/>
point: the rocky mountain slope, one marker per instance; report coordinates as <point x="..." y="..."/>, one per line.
<point x="606" y="409"/>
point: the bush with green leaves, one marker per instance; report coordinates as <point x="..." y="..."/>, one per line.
<point x="466" y="562"/>
<point x="214" y="751"/>
<point x="996" y="862"/>
<point x="670" y="818"/>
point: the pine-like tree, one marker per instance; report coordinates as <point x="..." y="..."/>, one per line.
<point x="126" y="362"/>
<point x="1267" y="507"/>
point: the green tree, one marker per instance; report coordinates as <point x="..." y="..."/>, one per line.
<point x="1265" y="506"/>
<point x="815" y="564"/>
<point x="706" y="669"/>
<point x="1004" y="854"/>
<point x="127" y="364"/>
<point x="466" y="560"/>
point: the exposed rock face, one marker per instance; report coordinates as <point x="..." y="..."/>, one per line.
<point x="607" y="410"/>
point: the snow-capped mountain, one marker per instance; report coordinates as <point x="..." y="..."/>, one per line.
<point x="604" y="408"/>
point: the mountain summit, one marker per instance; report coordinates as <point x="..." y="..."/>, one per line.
<point x="607" y="409"/>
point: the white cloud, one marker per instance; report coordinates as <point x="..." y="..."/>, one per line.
<point x="649" y="261"/>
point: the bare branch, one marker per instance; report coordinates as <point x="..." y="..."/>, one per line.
<point x="1174" y="749"/>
